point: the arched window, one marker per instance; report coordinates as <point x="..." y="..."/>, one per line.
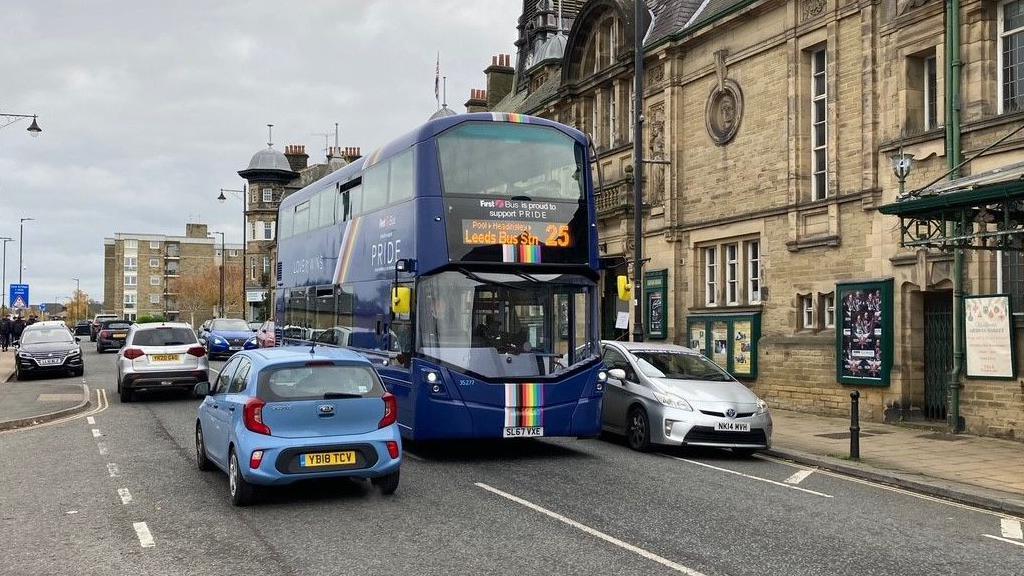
<point x="602" y="46"/>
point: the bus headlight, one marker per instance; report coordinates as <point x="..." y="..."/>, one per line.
<point x="432" y="377"/>
<point x="602" y="377"/>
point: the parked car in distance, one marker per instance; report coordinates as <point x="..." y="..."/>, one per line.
<point x="671" y="395"/>
<point x="266" y="336"/>
<point x="112" y="334"/>
<point x="160" y="355"/>
<point x="82" y="328"/>
<point x="48" y="347"/>
<point x="278" y="416"/>
<point x="225" y="336"/>
<point x="94" y="328"/>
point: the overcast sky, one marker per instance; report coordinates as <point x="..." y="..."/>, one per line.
<point x="148" y="108"/>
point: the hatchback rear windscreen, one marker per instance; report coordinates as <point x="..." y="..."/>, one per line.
<point x="164" y="337"/>
<point x="319" y="382"/>
<point x="118" y="325"/>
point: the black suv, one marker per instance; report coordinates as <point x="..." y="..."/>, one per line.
<point x="48" y="347"/>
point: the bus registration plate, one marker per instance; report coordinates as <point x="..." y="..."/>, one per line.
<point x="523" y="431"/>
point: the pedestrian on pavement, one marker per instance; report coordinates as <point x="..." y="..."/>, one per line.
<point x="18" y="326"/>
<point x="5" y="333"/>
<point x="31" y="320"/>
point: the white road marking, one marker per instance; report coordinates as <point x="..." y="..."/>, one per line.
<point x="145" y="537"/>
<point x="582" y="527"/>
<point x="102" y="446"/>
<point x="798" y="476"/>
<point x="90" y="420"/>
<point x="113" y="470"/>
<point x="96" y="433"/>
<point x="1011" y="528"/>
<point x="126" y="496"/>
<point x="720" y="469"/>
<point x="888" y="488"/>
<point x="1008" y="541"/>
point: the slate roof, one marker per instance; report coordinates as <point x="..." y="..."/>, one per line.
<point x="670" y="16"/>
<point x="714" y="9"/>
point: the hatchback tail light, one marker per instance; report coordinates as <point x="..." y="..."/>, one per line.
<point x="256" y="459"/>
<point x="104" y="333"/>
<point x="197" y="351"/>
<point x="392" y="449"/>
<point x="252" y="416"/>
<point x="390" y="411"/>
<point x="133" y="353"/>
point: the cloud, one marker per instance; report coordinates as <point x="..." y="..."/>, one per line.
<point x="148" y="108"/>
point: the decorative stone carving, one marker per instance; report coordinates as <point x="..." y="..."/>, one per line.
<point x="904" y="6"/>
<point x="724" y="110"/>
<point x="811" y="8"/>
<point x="656" y="151"/>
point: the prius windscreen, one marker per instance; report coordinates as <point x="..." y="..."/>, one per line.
<point x="319" y="382"/>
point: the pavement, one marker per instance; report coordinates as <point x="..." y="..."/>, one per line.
<point x="986" y="472"/>
<point x="37" y="401"/>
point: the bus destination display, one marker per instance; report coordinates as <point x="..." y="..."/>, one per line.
<point x="513" y="230"/>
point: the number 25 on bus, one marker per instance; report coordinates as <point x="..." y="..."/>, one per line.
<point x="484" y="323"/>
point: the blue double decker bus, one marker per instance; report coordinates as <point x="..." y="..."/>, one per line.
<point x="462" y="259"/>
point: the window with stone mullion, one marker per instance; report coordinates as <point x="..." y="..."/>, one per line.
<point x="1011" y="38"/>
<point x="819" y="125"/>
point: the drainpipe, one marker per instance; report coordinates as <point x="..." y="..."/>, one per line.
<point x="953" y="65"/>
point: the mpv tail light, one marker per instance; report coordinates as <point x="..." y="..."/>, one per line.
<point x="390" y="411"/>
<point x="104" y="333"/>
<point x="133" y="353"/>
<point x="252" y="416"/>
<point x="197" y="351"/>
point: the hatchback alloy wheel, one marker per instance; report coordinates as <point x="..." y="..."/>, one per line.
<point x="242" y="493"/>
<point x="202" y="462"/>
<point x="638" y="432"/>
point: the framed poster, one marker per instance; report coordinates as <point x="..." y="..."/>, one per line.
<point x="741" y="333"/>
<point x="728" y="339"/>
<point x="989" y="337"/>
<point x="655" y="301"/>
<point x="864" y="334"/>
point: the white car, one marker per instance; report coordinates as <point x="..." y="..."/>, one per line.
<point x="160" y="355"/>
<point x="671" y="395"/>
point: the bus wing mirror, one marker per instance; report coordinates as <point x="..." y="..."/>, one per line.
<point x="625" y="288"/>
<point x="401" y="300"/>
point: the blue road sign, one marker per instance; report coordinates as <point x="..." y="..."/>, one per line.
<point x="19" y="296"/>
<point x="42" y="307"/>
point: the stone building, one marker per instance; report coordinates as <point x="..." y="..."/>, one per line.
<point x="140" y="271"/>
<point x="271" y="176"/>
<point x="778" y="121"/>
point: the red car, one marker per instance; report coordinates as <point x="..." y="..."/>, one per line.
<point x="265" y="335"/>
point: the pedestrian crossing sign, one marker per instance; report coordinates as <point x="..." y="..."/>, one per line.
<point x="19" y="302"/>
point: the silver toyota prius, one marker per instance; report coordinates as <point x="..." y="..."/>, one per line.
<point x="671" y="395"/>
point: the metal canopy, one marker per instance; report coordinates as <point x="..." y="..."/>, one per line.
<point x="989" y="208"/>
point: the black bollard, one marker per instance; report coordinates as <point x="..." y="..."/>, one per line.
<point x="855" y="425"/>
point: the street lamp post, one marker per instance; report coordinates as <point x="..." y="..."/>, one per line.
<point x="222" y="256"/>
<point x="77" y="296"/>
<point x="222" y="198"/>
<point x="3" y="275"/>
<point x="33" y="128"/>
<point x="638" y="170"/>
<point x="21" y="246"/>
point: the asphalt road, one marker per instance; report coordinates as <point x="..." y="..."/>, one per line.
<point x="117" y="492"/>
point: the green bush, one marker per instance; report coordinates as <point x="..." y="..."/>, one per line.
<point x="156" y="318"/>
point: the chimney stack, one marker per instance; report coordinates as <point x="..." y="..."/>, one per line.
<point x="297" y="157"/>
<point x="193" y="230"/>
<point x="351" y="154"/>
<point x="499" y="79"/>
<point x="477" y="101"/>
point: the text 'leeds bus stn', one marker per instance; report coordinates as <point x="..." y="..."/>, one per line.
<point x="462" y="259"/>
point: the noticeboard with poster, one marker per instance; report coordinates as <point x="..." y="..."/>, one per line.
<point x="864" y="333"/>
<point x="656" y="299"/>
<point x="728" y="339"/>
<point x="989" y="337"/>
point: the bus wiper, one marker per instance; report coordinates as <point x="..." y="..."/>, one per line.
<point x="340" y="395"/>
<point x="473" y="276"/>
<point x="526" y="198"/>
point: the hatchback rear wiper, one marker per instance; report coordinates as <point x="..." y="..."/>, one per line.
<point x="340" y="395"/>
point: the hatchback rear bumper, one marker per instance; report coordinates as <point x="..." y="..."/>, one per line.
<point x="278" y="466"/>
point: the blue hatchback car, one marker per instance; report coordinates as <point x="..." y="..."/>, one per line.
<point x="225" y="336"/>
<point x="279" y="415"/>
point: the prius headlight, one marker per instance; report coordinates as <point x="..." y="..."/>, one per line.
<point x="673" y="401"/>
<point x="762" y="406"/>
